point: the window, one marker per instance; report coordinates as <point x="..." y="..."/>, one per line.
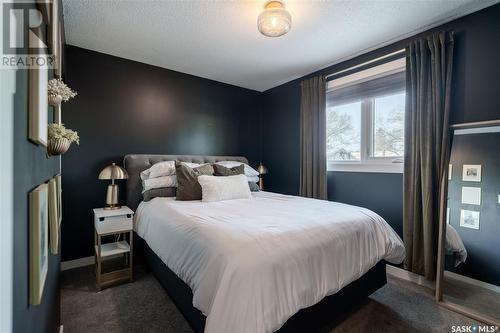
<point x="365" y="120"/>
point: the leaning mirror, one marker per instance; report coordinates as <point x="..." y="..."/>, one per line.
<point x="469" y="249"/>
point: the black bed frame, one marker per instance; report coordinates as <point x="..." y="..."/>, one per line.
<point x="327" y="312"/>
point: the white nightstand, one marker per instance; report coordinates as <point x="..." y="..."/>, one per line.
<point x="113" y="222"/>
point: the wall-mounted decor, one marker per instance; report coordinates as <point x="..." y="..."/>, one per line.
<point x="469" y="219"/>
<point x="450" y="171"/>
<point x="60" y="139"/>
<point x="59" y="197"/>
<point x="471" y="195"/>
<point x="38" y="105"/>
<point x="38" y="242"/>
<point x="53" y="217"/>
<point x="55" y="38"/>
<point x="471" y="173"/>
<point x="58" y="92"/>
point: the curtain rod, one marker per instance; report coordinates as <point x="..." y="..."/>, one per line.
<point x="476" y="124"/>
<point x="390" y="55"/>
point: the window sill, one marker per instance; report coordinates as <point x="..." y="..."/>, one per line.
<point x="366" y="167"/>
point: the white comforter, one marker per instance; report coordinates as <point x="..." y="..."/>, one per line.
<point x="253" y="263"/>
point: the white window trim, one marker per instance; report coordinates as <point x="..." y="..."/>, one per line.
<point x="368" y="163"/>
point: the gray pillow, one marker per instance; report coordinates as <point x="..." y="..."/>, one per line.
<point x="188" y="187"/>
<point x="161" y="192"/>
<point x="220" y="170"/>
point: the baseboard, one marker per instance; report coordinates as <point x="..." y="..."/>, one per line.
<point x="472" y="281"/>
<point x="81" y="262"/>
<point x="410" y="276"/>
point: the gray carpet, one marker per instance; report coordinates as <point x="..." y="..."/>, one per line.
<point x="144" y="306"/>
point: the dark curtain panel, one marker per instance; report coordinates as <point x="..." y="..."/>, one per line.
<point x="313" y="138"/>
<point x="427" y="148"/>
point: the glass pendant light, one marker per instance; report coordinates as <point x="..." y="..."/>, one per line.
<point x="274" y="21"/>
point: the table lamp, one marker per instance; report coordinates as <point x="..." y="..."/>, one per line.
<point x="262" y="170"/>
<point x="113" y="172"/>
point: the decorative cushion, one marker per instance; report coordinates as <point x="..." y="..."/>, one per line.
<point x="159" y="182"/>
<point x="220" y="170"/>
<point x="249" y="171"/>
<point x="188" y="187"/>
<point x="162" y="192"/>
<point x="160" y="169"/>
<point x="224" y="188"/>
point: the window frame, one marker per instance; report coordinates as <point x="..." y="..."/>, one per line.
<point x="368" y="162"/>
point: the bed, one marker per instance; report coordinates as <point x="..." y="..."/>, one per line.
<point x="270" y="263"/>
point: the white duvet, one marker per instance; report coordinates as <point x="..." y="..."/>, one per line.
<point x="253" y="263"/>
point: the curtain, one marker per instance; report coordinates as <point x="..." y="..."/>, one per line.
<point x="427" y="148"/>
<point x="313" y="138"/>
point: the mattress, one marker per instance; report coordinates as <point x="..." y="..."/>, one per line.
<point x="254" y="263"/>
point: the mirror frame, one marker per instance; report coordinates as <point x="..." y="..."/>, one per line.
<point x="443" y="205"/>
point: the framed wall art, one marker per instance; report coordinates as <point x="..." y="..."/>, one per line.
<point x="38" y="242"/>
<point x="53" y="216"/>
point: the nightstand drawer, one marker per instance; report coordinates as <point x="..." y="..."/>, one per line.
<point x="113" y="224"/>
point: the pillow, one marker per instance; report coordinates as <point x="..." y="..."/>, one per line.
<point x="215" y="188"/>
<point x="220" y="170"/>
<point x="188" y="187"/>
<point x="249" y="171"/>
<point x="253" y="187"/>
<point x="158" y="193"/>
<point x="165" y="181"/>
<point x="165" y="168"/>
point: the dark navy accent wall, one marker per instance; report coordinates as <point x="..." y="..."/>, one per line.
<point x="127" y="107"/>
<point x="474" y="98"/>
<point x="31" y="168"/>
<point x="483" y="259"/>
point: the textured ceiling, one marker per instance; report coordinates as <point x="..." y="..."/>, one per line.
<point x="219" y="40"/>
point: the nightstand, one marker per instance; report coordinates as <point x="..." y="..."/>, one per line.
<point x="108" y="222"/>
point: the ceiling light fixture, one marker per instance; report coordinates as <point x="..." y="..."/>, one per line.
<point x="274" y="21"/>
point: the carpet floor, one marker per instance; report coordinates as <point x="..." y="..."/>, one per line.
<point x="144" y="306"/>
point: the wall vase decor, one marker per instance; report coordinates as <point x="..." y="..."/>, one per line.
<point x="55" y="102"/>
<point x="59" y="137"/>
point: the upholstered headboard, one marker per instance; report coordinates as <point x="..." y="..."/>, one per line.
<point x="135" y="163"/>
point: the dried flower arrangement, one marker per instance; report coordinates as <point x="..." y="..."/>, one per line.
<point x="56" y="87"/>
<point x="60" y="139"/>
<point x="59" y="131"/>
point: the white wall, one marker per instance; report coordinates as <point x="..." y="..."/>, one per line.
<point x="7" y="89"/>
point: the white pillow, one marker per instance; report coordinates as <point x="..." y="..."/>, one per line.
<point x="160" y="169"/>
<point x="165" y="181"/>
<point x="249" y="171"/>
<point x="252" y="179"/>
<point x="214" y="188"/>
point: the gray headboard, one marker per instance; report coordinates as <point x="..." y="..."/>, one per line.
<point x="135" y="163"/>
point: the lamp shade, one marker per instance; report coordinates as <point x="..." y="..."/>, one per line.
<point x="113" y="171"/>
<point x="262" y="169"/>
<point x="274" y="21"/>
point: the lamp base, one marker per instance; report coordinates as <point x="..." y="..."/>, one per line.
<point x="112" y="197"/>
<point x="112" y="207"/>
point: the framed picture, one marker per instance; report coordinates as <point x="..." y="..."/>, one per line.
<point x="469" y="219"/>
<point x="53" y="217"/>
<point x="471" y="195"/>
<point x="38" y="105"/>
<point x="56" y="38"/>
<point x="38" y="242"/>
<point x="59" y="197"/>
<point x="471" y="173"/>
